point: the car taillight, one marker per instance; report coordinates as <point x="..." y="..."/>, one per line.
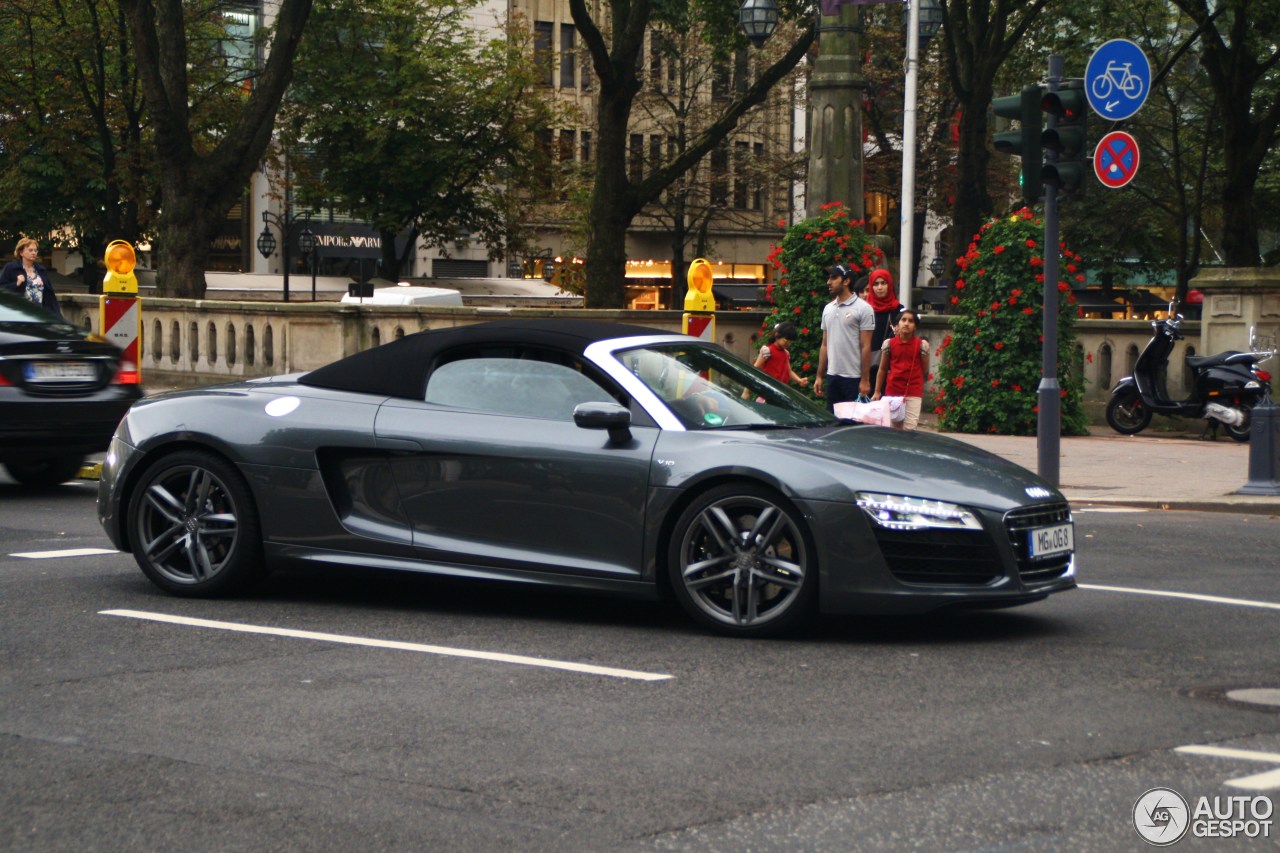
<point x="4" y="381"/>
<point x="1263" y="375"/>
<point x="126" y="374"/>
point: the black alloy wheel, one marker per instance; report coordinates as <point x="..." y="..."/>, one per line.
<point x="193" y="526"/>
<point x="1126" y="413"/>
<point x="740" y="562"/>
<point x="45" y="473"/>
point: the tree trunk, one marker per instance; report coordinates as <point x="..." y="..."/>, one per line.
<point x="973" y="204"/>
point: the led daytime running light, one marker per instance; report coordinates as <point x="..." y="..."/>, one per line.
<point x="900" y="512"/>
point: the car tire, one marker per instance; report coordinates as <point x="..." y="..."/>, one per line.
<point x="45" y="473"/>
<point x="193" y="526"/>
<point x="1126" y="413"/>
<point x="740" y="562"/>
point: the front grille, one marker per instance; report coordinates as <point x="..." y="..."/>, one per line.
<point x="950" y="557"/>
<point x="1019" y="523"/>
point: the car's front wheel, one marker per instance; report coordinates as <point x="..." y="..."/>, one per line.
<point x="44" y="473"/>
<point x="740" y="562"/>
<point x="193" y="526"/>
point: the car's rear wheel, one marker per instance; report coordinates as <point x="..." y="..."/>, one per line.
<point x="46" y="472"/>
<point x="740" y="562"/>
<point x="193" y="526"/>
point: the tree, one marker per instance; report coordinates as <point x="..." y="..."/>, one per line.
<point x="616" y="199"/>
<point x="729" y="185"/>
<point x="1238" y="54"/>
<point x="204" y="160"/>
<point x="989" y="365"/>
<point x="977" y="37"/>
<point x="422" y="128"/>
<point x="72" y="159"/>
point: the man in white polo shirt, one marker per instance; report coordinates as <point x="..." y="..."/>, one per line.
<point x="847" y="326"/>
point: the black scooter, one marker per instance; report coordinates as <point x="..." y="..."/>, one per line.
<point x="1227" y="385"/>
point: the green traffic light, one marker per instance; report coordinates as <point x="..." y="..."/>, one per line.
<point x="1025" y="141"/>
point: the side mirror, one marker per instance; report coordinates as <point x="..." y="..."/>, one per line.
<point x="608" y="416"/>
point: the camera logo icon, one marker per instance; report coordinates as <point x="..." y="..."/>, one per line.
<point x="1161" y="817"/>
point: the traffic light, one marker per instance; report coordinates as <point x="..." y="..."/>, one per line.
<point x="1065" y="140"/>
<point x="1025" y="141"/>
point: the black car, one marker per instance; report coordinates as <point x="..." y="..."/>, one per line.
<point x="584" y="455"/>
<point x="62" y="392"/>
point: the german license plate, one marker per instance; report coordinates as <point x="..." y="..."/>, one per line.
<point x="1047" y="541"/>
<point x="60" y="371"/>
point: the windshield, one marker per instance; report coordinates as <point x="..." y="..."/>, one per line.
<point x="15" y="309"/>
<point x="707" y="388"/>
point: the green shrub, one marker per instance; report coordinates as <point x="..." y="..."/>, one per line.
<point x="808" y="248"/>
<point x="989" y="366"/>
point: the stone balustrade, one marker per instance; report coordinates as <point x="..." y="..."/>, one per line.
<point x="189" y="342"/>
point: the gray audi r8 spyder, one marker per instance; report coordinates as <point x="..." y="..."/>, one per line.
<point x="62" y="392"/>
<point x="577" y="454"/>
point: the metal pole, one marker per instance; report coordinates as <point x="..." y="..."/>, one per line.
<point x="906" y="204"/>
<point x="284" y="233"/>
<point x="313" y="274"/>
<point x="1049" y="422"/>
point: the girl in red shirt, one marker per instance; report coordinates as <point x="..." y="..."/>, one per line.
<point x="904" y="363"/>
<point x="775" y="360"/>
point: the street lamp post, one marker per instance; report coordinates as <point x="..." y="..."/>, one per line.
<point x="307" y="244"/>
<point x="924" y="19"/>
<point x="267" y="242"/>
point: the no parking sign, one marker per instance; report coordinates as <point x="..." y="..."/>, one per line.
<point x="1116" y="159"/>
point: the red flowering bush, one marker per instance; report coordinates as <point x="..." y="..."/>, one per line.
<point x="988" y="367"/>
<point x="800" y="289"/>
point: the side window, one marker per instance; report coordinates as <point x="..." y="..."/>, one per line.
<point x="522" y="387"/>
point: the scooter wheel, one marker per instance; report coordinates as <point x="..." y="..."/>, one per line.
<point x="1127" y="415"/>
<point x="1240" y="432"/>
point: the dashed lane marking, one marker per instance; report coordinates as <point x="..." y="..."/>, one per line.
<point x="498" y="657"/>
<point x="1266" y="781"/>
<point x="1212" y="599"/>
<point x="67" y="552"/>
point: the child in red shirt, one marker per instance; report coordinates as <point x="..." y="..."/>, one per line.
<point x="775" y="360"/>
<point x="904" y="362"/>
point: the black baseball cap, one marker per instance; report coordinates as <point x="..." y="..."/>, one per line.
<point x="840" y="270"/>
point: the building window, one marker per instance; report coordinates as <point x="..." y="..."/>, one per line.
<point x="635" y="157"/>
<point x="568" y="57"/>
<point x="586" y="146"/>
<point x="542" y="50"/>
<point x="757" y="191"/>
<point x="720" y="175"/>
<point x="740" y="150"/>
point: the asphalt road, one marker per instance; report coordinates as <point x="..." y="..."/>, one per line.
<point x="1029" y="729"/>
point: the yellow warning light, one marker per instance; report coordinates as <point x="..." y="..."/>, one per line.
<point x="120" y="260"/>
<point x="698" y="297"/>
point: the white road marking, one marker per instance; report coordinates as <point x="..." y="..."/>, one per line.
<point x="1257" y="782"/>
<point x="1212" y="599"/>
<point x="69" y="552"/>
<point x="499" y="657"/>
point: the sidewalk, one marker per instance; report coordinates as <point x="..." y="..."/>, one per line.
<point x="1158" y="470"/>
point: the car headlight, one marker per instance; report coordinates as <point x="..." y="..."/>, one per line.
<point x="900" y="512"/>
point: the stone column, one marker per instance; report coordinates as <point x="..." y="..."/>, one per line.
<point x="1235" y="299"/>
<point x="835" y="115"/>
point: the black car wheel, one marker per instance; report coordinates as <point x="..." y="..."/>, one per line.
<point x="1240" y="431"/>
<point x="45" y="473"/>
<point x="1126" y="414"/>
<point x="193" y="526"/>
<point x="740" y="562"/>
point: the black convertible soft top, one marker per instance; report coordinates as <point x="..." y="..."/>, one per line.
<point x="399" y="368"/>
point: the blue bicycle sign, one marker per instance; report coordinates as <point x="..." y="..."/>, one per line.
<point x="1117" y="79"/>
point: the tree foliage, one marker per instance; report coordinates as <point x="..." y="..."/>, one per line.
<point x="614" y="37"/>
<point x="203" y="156"/>
<point x="989" y="365"/>
<point x="807" y="249"/>
<point x="404" y="116"/>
